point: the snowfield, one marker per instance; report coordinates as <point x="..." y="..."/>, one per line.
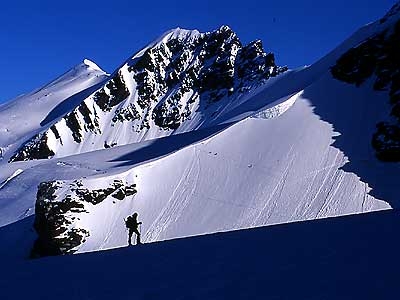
<point x="22" y="117"/>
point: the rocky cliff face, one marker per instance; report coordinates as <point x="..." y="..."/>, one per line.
<point x="378" y="59"/>
<point x="178" y="83"/>
<point x="62" y="205"/>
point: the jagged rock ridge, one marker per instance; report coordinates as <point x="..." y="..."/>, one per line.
<point x="184" y="78"/>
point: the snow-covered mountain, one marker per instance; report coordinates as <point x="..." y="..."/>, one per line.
<point x="24" y="116"/>
<point x="199" y="134"/>
<point x="180" y="82"/>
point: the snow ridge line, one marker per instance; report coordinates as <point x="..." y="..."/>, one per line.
<point x="277" y="108"/>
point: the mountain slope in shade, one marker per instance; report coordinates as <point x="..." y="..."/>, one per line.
<point x="352" y="257"/>
<point x="377" y="59"/>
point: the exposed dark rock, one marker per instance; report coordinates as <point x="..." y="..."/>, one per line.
<point x="386" y="142"/>
<point x="75" y="237"/>
<point x="99" y="195"/>
<point x="36" y="148"/>
<point x="102" y="99"/>
<point x="55" y="131"/>
<point x="125" y="191"/>
<point x="129" y="113"/>
<point x="118" y="93"/>
<point x="118" y="90"/>
<point x="166" y="117"/>
<point x="378" y="56"/>
<point x="359" y="63"/>
<point x="91" y="122"/>
<point x="213" y="65"/>
<point x="149" y="75"/>
<point x="72" y="122"/>
<point x="55" y="217"/>
<point x="51" y="222"/>
<point x="107" y="146"/>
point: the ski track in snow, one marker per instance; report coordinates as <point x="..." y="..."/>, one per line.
<point x="270" y="203"/>
<point x="14" y="175"/>
<point x="326" y="177"/>
<point x="178" y="201"/>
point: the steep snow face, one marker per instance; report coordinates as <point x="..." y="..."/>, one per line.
<point x="178" y="83"/>
<point x="24" y="117"/>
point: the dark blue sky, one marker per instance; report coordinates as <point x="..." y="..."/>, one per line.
<point x="42" y="39"/>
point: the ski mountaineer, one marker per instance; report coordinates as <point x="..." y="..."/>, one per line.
<point x="132" y="225"/>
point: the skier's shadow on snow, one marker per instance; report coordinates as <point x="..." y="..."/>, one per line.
<point x="353" y="119"/>
<point x="160" y="147"/>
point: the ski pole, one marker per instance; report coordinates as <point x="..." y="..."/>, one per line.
<point x="140" y="232"/>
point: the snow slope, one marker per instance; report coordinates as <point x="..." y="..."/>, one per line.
<point x="239" y="175"/>
<point x="352" y="257"/>
<point x="22" y="118"/>
<point x="220" y="184"/>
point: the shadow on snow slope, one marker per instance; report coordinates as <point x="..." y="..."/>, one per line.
<point x="160" y="147"/>
<point x="352" y="257"/>
<point x="70" y="103"/>
<point x="353" y="113"/>
<point x="16" y="241"/>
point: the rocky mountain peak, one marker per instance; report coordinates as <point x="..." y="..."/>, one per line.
<point x="184" y="77"/>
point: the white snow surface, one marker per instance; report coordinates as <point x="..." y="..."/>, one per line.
<point x="92" y="65"/>
<point x="23" y="117"/>
<point x="297" y="148"/>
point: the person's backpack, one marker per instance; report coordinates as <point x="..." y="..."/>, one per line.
<point x="129" y="222"/>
